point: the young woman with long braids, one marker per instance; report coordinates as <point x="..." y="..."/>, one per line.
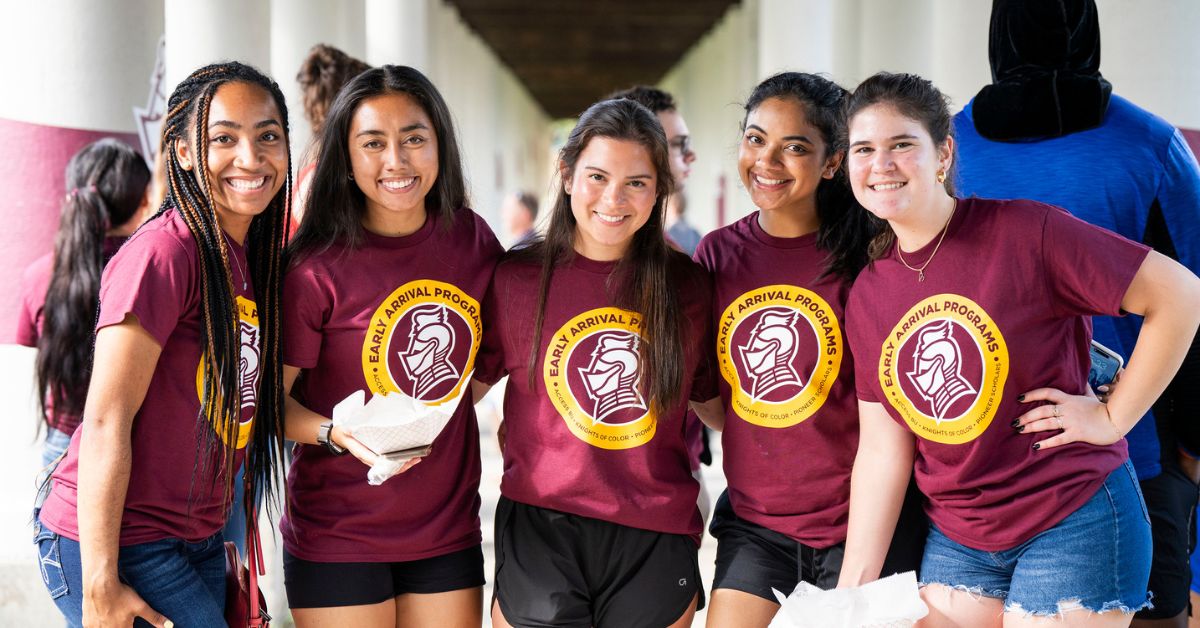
<point x="790" y="425"/>
<point x="387" y="275"/>
<point x="186" y="382"/>
<point x="970" y="331"/>
<point x="600" y="326"/>
<point x="106" y="200"/>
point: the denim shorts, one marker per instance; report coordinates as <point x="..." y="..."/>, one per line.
<point x="1097" y="559"/>
<point x="183" y="581"/>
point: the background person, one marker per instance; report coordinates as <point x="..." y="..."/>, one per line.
<point x="107" y="185"/>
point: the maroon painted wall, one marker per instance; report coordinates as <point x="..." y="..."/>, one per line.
<point x="31" y="188"/>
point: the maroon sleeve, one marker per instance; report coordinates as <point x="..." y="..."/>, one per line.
<point x="152" y="277"/>
<point x="865" y="377"/>
<point x="306" y="304"/>
<point x="1087" y="269"/>
<point x="31" y="302"/>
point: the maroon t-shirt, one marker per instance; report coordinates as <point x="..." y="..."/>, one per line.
<point x="580" y="437"/>
<point x="1002" y="311"/>
<point x="30" y="319"/>
<point x="394" y="314"/>
<point x="787" y="381"/>
<point x="156" y="278"/>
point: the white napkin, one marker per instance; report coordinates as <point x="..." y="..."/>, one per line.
<point x="892" y="601"/>
<point x="392" y="422"/>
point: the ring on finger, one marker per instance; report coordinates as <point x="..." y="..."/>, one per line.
<point x="1060" y="423"/>
<point x="1057" y="412"/>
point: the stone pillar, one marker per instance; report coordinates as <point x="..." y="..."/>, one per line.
<point x="200" y="33"/>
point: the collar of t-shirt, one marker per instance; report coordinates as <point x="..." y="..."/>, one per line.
<point x="762" y="236"/>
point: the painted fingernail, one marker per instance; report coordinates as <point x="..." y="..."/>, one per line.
<point x="1021" y="429"/>
<point x="1016" y="422"/>
<point x="1037" y="446"/>
<point x="1020" y="397"/>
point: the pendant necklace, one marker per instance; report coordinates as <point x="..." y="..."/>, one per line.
<point x="242" y="275"/>
<point x="921" y="270"/>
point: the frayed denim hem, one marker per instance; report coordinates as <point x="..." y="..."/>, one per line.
<point x="975" y="592"/>
<point x="1074" y="604"/>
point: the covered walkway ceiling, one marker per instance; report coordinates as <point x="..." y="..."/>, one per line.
<point x="569" y="53"/>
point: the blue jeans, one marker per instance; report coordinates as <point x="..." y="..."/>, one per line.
<point x="52" y="453"/>
<point x="183" y="581"/>
<point x="1097" y="559"/>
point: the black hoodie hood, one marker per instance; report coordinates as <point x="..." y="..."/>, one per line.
<point x="1045" y="57"/>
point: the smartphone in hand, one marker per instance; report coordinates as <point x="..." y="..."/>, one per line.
<point x="1106" y="363"/>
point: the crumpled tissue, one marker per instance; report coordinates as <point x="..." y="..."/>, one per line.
<point x="891" y="602"/>
<point x="392" y="423"/>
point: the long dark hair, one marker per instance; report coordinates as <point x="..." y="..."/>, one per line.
<point x="642" y="280"/>
<point x="917" y="99"/>
<point x="335" y="204"/>
<point x="106" y="184"/>
<point x="844" y="230"/>
<point x="190" y="194"/>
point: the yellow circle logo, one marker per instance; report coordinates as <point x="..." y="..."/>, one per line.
<point x="593" y="373"/>
<point x="247" y="369"/>
<point x="422" y="340"/>
<point x="780" y="349"/>
<point x="943" y="368"/>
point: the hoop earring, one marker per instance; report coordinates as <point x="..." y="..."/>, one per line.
<point x="350" y="176"/>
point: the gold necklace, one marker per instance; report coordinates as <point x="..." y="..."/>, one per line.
<point x="233" y="256"/>
<point x="921" y="271"/>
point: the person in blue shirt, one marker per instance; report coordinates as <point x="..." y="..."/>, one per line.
<point x="1049" y="128"/>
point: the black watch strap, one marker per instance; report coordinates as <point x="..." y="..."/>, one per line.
<point x="324" y="437"/>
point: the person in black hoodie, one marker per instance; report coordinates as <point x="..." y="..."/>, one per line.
<point x="1044" y="129"/>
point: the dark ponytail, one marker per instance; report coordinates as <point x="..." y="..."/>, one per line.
<point x="189" y="194"/>
<point x="106" y="184"/>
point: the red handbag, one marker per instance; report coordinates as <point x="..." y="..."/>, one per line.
<point x="245" y="606"/>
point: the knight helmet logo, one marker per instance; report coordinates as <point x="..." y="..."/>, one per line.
<point x="613" y="376"/>
<point x="426" y="361"/>
<point x="937" y="369"/>
<point x="248" y="366"/>
<point x="769" y="354"/>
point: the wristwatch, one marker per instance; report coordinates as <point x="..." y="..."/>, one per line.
<point x="323" y="438"/>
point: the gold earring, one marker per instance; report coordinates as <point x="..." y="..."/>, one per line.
<point x="941" y="176"/>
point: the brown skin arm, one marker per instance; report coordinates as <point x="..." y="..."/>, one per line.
<point x="125" y="359"/>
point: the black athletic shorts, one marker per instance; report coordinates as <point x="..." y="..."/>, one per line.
<point x="754" y="559"/>
<point x="558" y="569"/>
<point x="322" y="585"/>
<point x="1171" y="502"/>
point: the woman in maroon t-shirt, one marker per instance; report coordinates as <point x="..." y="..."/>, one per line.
<point x="971" y="336"/>
<point x="600" y="327"/>
<point x="106" y="200"/>
<point x="186" y="359"/>
<point x="388" y="271"/>
<point x="781" y="277"/>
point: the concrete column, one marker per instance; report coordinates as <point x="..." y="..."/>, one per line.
<point x="398" y="33"/>
<point x="200" y="33"/>
<point x="298" y="25"/>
